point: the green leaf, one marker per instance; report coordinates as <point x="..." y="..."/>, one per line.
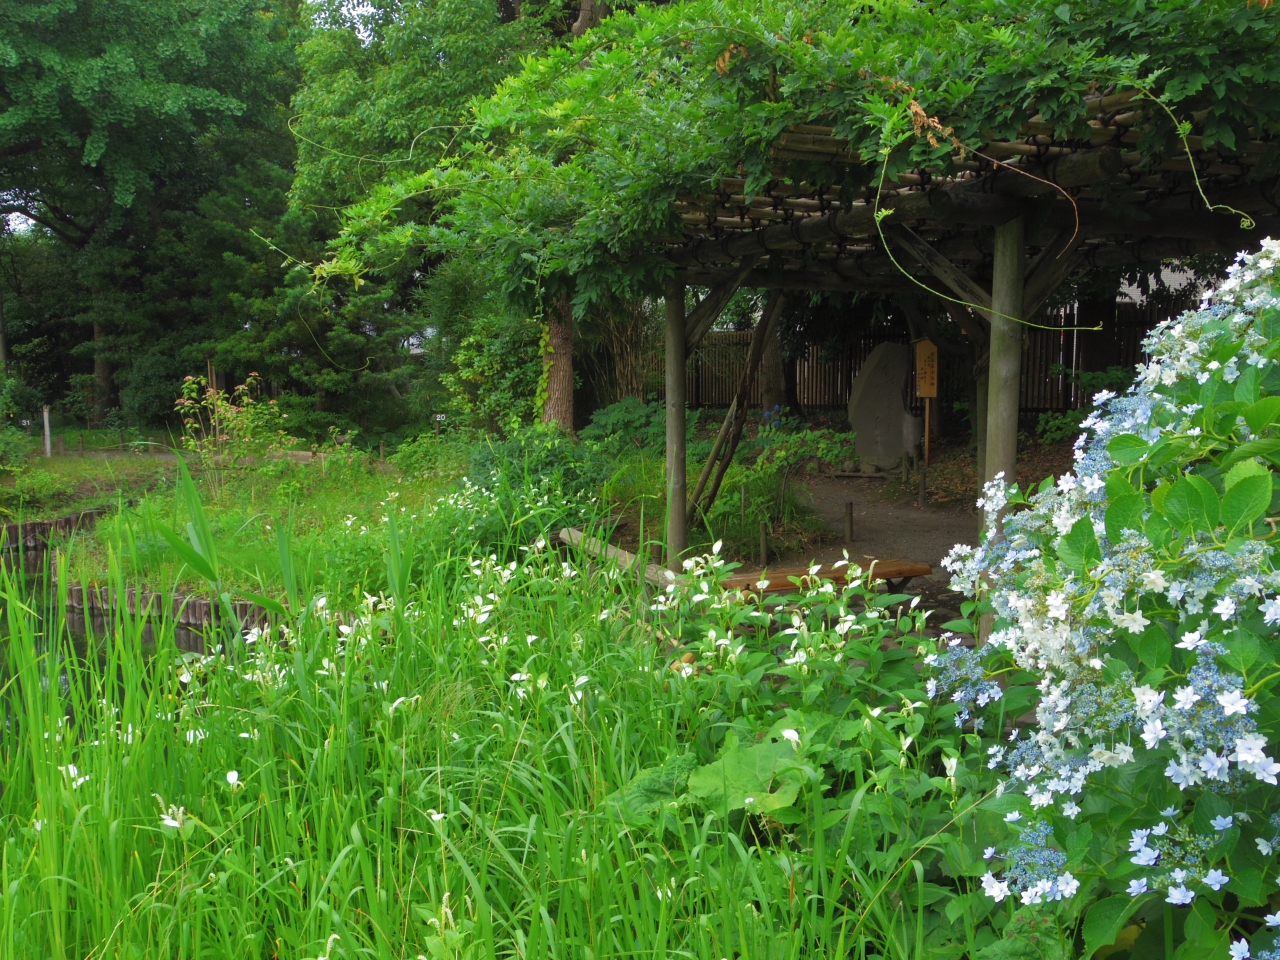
<point x="1243" y="649"/>
<point x="266" y="603"/>
<point x="1105" y="920"/>
<point x="747" y="773"/>
<point x="1209" y="500"/>
<point x="1245" y="468"/>
<point x="1153" y="646"/>
<point x="652" y="789"/>
<point x="1124" y="513"/>
<point x="1063" y="12"/>
<point x="1262" y="414"/>
<point x="1127" y="447"/>
<point x="1079" y="548"/>
<point x="1267" y="448"/>
<point x="1199" y="927"/>
<point x="1246" y="501"/>
<point x="187" y="553"/>
<point x="1183" y="506"/>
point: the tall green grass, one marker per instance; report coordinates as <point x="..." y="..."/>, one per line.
<point x="421" y="773"/>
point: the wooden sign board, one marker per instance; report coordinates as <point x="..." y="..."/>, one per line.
<point x="926" y="368"/>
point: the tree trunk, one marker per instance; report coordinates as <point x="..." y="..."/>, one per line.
<point x="773" y="377"/>
<point x="1005" y="365"/>
<point x="4" y="343"/>
<point x="103" y="379"/>
<point x="557" y="363"/>
<point x="590" y="13"/>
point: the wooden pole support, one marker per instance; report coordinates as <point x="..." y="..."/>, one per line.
<point x="677" y="525"/>
<point x="48" y="438"/>
<point x="80" y="444"/>
<point x="1005" y="365"/>
<point x="848" y="522"/>
<point x="764" y="544"/>
<point x="928" y="409"/>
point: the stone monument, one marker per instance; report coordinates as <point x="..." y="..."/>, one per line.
<point x="878" y="413"/>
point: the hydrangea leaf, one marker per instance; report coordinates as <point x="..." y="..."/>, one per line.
<point x="1262" y="414"/>
<point x="1104" y="921"/>
<point x="1153" y="646"/>
<point x="1248" y="885"/>
<point x="1124" y="513"/>
<point x="1199" y="927"/>
<point x="1243" y="649"/>
<point x="1079" y="548"/>
<point x="1266" y="448"/>
<point x="1246" y="501"/>
<point x="1127" y="447"/>
<point x="1184" y="506"/>
<point x="1245" y="468"/>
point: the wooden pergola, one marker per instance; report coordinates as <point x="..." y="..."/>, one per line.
<point x="995" y="240"/>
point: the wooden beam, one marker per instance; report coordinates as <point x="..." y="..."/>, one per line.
<point x="960" y="283"/>
<point x="1007" y="294"/>
<point x="731" y="430"/>
<point x="677" y="529"/>
<point x="973" y="326"/>
<point x="708" y="311"/>
<point x="1051" y="267"/>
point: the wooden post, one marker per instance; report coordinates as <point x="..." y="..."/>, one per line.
<point x="928" y="404"/>
<point x="764" y="544"/>
<point x="48" y="438"/>
<point x="677" y="527"/>
<point x="981" y="382"/>
<point x="80" y="444"/>
<point x="1005" y="365"/>
<point x="59" y="445"/>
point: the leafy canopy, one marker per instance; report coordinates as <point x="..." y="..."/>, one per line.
<point x="572" y="166"/>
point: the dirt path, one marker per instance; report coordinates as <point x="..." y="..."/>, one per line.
<point x="891" y="530"/>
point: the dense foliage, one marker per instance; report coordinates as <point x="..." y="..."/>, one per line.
<point x="573" y="164"/>
<point x="1141" y="590"/>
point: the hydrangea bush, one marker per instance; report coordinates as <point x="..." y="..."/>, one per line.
<point x="1141" y="590"/>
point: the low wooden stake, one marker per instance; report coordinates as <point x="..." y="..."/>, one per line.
<point x="48" y="444"/>
<point x="764" y="544"/>
<point x="382" y="450"/>
<point x="80" y="445"/>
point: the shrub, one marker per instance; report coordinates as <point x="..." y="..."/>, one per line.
<point x="14" y="447"/>
<point x="1142" y="591"/>
<point x="631" y="424"/>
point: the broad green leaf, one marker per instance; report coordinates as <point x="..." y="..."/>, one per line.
<point x="747" y="773"/>
<point x="1245" y="468"/>
<point x="1183" y="505"/>
<point x="1079" y="548"/>
<point x="652" y="789"/>
<point x="1158" y="495"/>
<point x="1209" y="500"/>
<point x="1127" y="447"/>
<point x="1262" y="414"/>
<point x="1105" y="920"/>
<point x="1246" y="501"/>
<point x="1199" y="927"/>
<point x="1124" y="513"/>
<point x="1247" y="385"/>
<point x="1153" y="646"/>
<point x="1267" y="448"/>
<point x="1243" y="649"/>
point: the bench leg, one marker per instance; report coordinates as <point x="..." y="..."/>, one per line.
<point x="896" y="586"/>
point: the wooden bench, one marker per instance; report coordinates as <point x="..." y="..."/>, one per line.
<point x="896" y="573"/>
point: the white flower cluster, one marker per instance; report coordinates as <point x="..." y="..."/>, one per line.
<point x="1073" y="623"/>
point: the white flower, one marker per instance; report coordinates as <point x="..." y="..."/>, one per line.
<point x="1214" y="766"/>
<point x="1239" y="950"/>
<point x="1180" y="896"/>
<point x="1066" y="886"/>
<point x="1137" y="887"/>
<point x="1147" y="700"/>
<point x="988" y="853"/>
<point x="1134" y="622"/>
<point x="436" y="815"/>
<point x="1271" y="611"/>
<point x="1146" y="857"/>
<point x="233" y="778"/>
<point x="1071" y="809"/>
<point x="1058" y="605"/>
<point x="1169" y="812"/>
<point x="1273" y="919"/>
<point x="1232" y="702"/>
<point x="1191" y="641"/>
<point x="996" y="889"/>
<point x="1154" y="580"/>
<point x="791" y="735"/>
<point x="1138" y="840"/>
<point x="1183" y="776"/>
<point x="1215" y="879"/>
<point x="1013" y="817"/>
<point x="1225" y="608"/>
<point x="1184" y="698"/>
<point x="1160" y="829"/>
<point x="1249" y="749"/>
<point x="1153" y="733"/>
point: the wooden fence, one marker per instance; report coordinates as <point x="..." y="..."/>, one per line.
<point x="1050" y="354"/>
